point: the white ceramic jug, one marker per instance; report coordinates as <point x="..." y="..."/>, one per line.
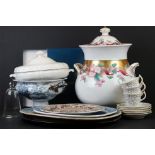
<point x="104" y="66"/>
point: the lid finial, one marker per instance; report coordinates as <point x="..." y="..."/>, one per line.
<point x="40" y="53"/>
<point x="105" y="31"/>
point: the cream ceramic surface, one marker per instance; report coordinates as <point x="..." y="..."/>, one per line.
<point x="105" y="64"/>
<point x="41" y="67"/>
<point x="105" y="47"/>
<point x="28" y="55"/>
<point x="41" y="75"/>
<point x="88" y="92"/>
<point x="111" y="52"/>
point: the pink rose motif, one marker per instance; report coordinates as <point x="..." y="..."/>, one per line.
<point x="97" y="69"/>
<point x="123" y="72"/>
<point x="108" y="72"/>
<point x="92" y="68"/>
<point x="83" y="77"/>
<point x="91" y="74"/>
<point x="113" y="68"/>
<point x="103" y="74"/>
<point x="91" y="71"/>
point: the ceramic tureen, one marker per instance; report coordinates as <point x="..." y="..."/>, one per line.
<point x="105" y="65"/>
<point x="41" y="68"/>
<point x="41" y="80"/>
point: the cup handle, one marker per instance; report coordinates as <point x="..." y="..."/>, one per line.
<point x="143" y="87"/>
<point x="141" y="79"/>
<point x="144" y="93"/>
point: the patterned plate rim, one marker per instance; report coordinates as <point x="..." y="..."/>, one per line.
<point x="99" y="109"/>
<point x="23" y="111"/>
<point x="106" y="109"/>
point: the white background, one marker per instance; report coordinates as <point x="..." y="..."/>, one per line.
<point x="78" y="13"/>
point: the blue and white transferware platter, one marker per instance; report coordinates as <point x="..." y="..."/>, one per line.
<point x="28" y="114"/>
<point x="106" y="111"/>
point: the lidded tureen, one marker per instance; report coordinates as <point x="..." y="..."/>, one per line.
<point x="41" y="80"/>
<point x="41" y="68"/>
<point x="104" y="66"/>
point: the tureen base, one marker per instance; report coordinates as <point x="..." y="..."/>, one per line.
<point x="39" y="104"/>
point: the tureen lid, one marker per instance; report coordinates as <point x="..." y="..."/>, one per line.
<point x="105" y="38"/>
<point x="40" y="63"/>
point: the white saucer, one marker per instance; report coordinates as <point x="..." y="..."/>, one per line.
<point x="142" y="105"/>
<point x="137" y="112"/>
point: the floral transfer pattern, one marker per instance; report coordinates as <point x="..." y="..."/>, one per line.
<point x="99" y="72"/>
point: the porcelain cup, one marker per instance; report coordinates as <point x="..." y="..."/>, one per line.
<point x="138" y="89"/>
<point x="134" y="98"/>
<point x="133" y="82"/>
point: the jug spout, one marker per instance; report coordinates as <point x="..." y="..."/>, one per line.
<point x="132" y="68"/>
<point x="79" y="68"/>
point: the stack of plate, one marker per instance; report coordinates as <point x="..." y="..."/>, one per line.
<point x="63" y="113"/>
<point x="138" y="111"/>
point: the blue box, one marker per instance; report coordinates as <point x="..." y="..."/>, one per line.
<point x="67" y="55"/>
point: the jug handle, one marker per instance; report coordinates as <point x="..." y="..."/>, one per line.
<point x="78" y="67"/>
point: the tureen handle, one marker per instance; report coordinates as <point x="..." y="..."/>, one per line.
<point x="12" y="75"/>
<point x="56" y="87"/>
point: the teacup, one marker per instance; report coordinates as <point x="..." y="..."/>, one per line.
<point x="134" y="98"/>
<point x="133" y="82"/>
<point x="133" y="90"/>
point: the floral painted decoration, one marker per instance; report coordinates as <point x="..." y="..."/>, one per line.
<point x="98" y="72"/>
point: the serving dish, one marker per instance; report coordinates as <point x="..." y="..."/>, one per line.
<point x="106" y="111"/>
<point x="72" y="109"/>
<point x="40" y="92"/>
<point x="28" y="114"/>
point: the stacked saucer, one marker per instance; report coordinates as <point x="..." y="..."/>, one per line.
<point x="138" y="111"/>
<point x="134" y="93"/>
